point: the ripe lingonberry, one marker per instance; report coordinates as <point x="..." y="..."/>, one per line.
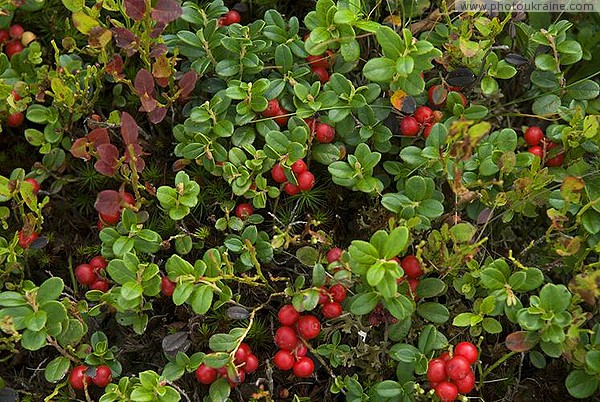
<point x="284" y="360"/>
<point x="288" y="315"/>
<point x="286" y="338"/>
<point x="409" y="126"/>
<point x="309" y="326"/>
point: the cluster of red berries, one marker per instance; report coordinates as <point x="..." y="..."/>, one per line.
<point x="450" y="375"/>
<point x="540" y="146"/>
<point x="304" y="177"/>
<point x="90" y="274"/>
<point x="275" y="110"/>
<point x="111" y="220"/>
<point x="246" y="362"/>
<point x="79" y="378"/>
<point x="26" y="240"/>
<point x="412" y="272"/>
<point x="231" y="17"/>
<point x="323" y="132"/>
<point x="292" y="353"/>
<point x="423" y="118"/>
<point x="320" y="65"/>
<point x="15" y="39"/>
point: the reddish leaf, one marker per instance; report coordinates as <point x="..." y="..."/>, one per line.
<point x="166" y="11"/>
<point x="135" y="9"/>
<point x="108" y="161"/>
<point x="158" y="49"/>
<point x="126" y="40"/>
<point x="520" y="341"/>
<point x="79" y="149"/>
<point x="108" y="202"/>
<point x="136" y="149"/>
<point x="187" y="83"/>
<point x="99" y="136"/>
<point x="115" y="65"/>
<point x="163" y="82"/>
<point x="158" y="29"/>
<point x="129" y="129"/>
<point x="157" y="115"/>
<point x="161" y="68"/>
<point x="144" y="86"/>
<point x="99" y="37"/>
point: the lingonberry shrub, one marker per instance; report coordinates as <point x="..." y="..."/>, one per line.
<point x="175" y="178"/>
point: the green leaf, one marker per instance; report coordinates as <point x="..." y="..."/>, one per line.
<point x="395" y="243"/>
<point x="491" y="325"/>
<point x="33" y="340"/>
<point x="364" y="303"/>
<point x="363" y="252"/>
<point x="555" y="298"/>
<point x="546" y="105"/>
<point x="50" y="290"/>
<point x="404" y="352"/>
<point x="380" y="69"/>
<point x="57" y="369"/>
<point x="131" y="290"/>
<point x="434" y="312"/>
<point x="201" y="299"/>
<point x="222" y="342"/>
<point x="431" y="287"/>
<point x="36" y="320"/>
<point x="73" y="6"/>
<point x="581" y="384"/>
<point x="493" y="279"/>
<point x="391" y="43"/>
<point x="592" y="360"/>
<point x="389" y="389"/>
<point x="583" y="90"/>
<point x="375" y="274"/>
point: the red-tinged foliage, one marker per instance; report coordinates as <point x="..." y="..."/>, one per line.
<point x="115" y="66"/>
<point x="144" y="87"/>
<point x="135" y="9"/>
<point x="166" y="11"/>
<point x="156" y="116"/>
<point x="187" y="84"/>
<point x="108" y="202"/>
<point x="126" y="40"/>
<point x="129" y="129"/>
<point x="108" y="159"/>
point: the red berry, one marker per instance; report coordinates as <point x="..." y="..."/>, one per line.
<point x="299" y="166"/>
<point x="445" y="356"/>
<point x="309" y="326"/>
<point x="423" y="114"/>
<point x="536" y="150"/>
<point x="281" y="117"/>
<point x="167" y="286"/>
<point x="306" y="181"/>
<point x="15" y="95"/>
<point x="288" y="315"/>
<point x="103" y="376"/>
<point x="458" y="367"/>
<point x="321" y="74"/>
<point x="79" y="378"/>
<point x="291" y="189"/>
<point x="446" y="391"/>
<point x="278" y="174"/>
<point x="98" y="263"/>
<point x="13" y="47"/>
<point x="99" y="224"/>
<point x="110" y="219"/>
<point x="414" y="284"/>
<point x="206" y="375"/>
<point x="427" y="130"/>
<point x="334" y="255"/>
<point x="556" y="161"/>
<point x="338" y="293"/>
<point x="436" y="370"/>
<point x="238" y="379"/>
<point x="4" y="36"/>
<point x="468" y="351"/>
<point x="284" y="360"/>
<point x="332" y="310"/>
<point x="242" y="353"/>
<point x="85" y="275"/>
<point x="222" y="371"/>
<point x="466" y="384"/>
<point x="409" y="126"/>
<point x="318" y="61"/>
<point x="323" y="295"/>
<point x="26" y="241"/>
<point x="232" y="17"/>
<point x="533" y="135"/>
<point x="15" y="119"/>
<point x="325" y="133"/>
<point x="463" y="99"/>
<point x="286" y="338"/>
<point x="100" y="285"/>
<point x="437" y="95"/>
<point x="312" y="124"/>
<point x="304" y="367"/>
<point x="272" y="108"/>
<point x="34" y="183"/>
<point x="127" y="198"/>
<point x="300" y="350"/>
<point x="243" y="211"/>
<point x="251" y="364"/>
<point x="411" y="267"/>
<point x="16" y="31"/>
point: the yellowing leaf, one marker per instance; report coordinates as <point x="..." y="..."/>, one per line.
<point x="397" y="99"/>
<point x="84" y="23"/>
